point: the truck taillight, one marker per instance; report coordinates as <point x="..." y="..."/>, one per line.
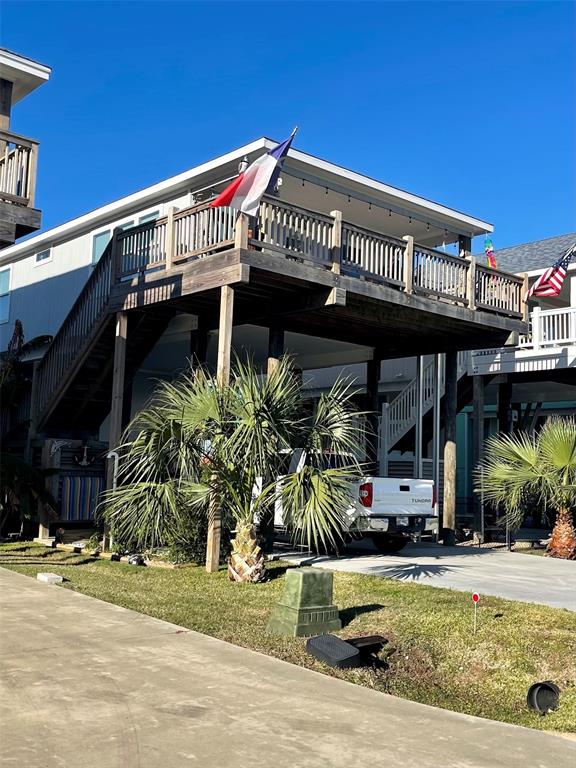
<point x="366" y="494"/>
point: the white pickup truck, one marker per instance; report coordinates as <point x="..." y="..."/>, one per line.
<point x="391" y="510"/>
<point x="388" y="510"/>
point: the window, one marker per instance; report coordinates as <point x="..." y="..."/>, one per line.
<point x="148" y="217"/>
<point x="44" y="257"/>
<point x="126" y="225"/>
<point x="99" y="243"/>
<point x="4" y="295"/>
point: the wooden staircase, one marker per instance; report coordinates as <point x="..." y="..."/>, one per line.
<point x="73" y="393"/>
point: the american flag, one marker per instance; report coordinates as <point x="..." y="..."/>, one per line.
<point x="550" y="283"/>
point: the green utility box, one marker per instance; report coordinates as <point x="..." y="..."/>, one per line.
<point x="306" y="606"/>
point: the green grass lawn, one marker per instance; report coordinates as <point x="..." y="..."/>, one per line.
<point x="432" y="655"/>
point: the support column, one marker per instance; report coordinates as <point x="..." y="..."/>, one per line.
<point x="478" y="452"/>
<point x="223" y="377"/>
<point x="449" y="505"/>
<point x="115" y="429"/>
<point x="436" y="437"/>
<point x="372" y="384"/>
<point x="504" y="403"/>
<point x="5" y="108"/>
<point x="275" y="348"/>
<point x="199" y="343"/>
<point x="419" y="409"/>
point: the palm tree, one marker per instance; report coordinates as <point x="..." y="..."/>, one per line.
<point x="535" y="467"/>
<point x="200" y="444"/>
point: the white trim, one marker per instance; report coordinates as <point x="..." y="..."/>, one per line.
<point x="180" y="184"/>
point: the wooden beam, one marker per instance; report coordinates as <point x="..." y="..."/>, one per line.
<point x="372" y="405"/>
<point x="275" y="348"/>
<point x="504" y="401"/>
<point x="199" y="342"/>
<point x="115" y="427"/>
<point x="409" y="264"/>
<point x="336" y="241"/>
<point x="225" y="334"/>
<point x="450" y="398"/>
<point x="478" y="451"/>
<point x="223" y="377"/>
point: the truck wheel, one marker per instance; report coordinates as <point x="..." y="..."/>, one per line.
<point x="389" y="543"/>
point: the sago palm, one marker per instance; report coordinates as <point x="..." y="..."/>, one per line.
<point x="538" y="468"/>
<point x="200" y="444"/>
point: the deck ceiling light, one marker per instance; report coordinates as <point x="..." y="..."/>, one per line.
<point x="243" y="164"/>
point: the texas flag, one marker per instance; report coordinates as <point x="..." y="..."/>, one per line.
<point x="246" y="191"/>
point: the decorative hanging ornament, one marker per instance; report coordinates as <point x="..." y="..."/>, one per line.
<point x="489" y="251"/>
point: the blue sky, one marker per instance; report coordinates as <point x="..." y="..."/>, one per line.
<point x="470" y="104"/>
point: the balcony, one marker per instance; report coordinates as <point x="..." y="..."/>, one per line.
<point x="18" y="160"/>
<point x="550" y="345"/>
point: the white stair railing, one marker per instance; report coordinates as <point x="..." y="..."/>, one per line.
<point x="402" y="410"/>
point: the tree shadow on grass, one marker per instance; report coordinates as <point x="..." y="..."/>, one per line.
<point x="347" y="615"/>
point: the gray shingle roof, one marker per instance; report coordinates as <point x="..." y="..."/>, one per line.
<point x="536" y="255"/>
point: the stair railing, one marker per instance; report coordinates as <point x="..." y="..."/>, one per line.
<point x="76" y="329"/>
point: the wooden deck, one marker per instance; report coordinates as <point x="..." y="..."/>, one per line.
<point x="298" y="270"/>
<point x="18" y="162"/>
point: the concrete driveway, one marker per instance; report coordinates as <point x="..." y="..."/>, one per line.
<point x="496" y="572"/>
<point x="85" y="683"/>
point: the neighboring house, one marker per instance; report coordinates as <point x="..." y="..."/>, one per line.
<point x="19" y="77"/>
<point x="339" y="269"/>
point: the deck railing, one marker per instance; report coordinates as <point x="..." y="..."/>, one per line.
<point x="550" y="328"/>
<point x="499" y="291"/>
<point x="76" y="330"/>
<point x="18" y="159"/>
<point x="377" y="255"/>
<point x="327" y="241"/>
<point x="286" y="230"/>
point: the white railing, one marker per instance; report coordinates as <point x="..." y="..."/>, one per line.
<point x="295" y="231"/>
<point x="377" y="255"/>
<point x="550" y="328"/>
<point x="440" y="274"/>
<point x="403" y="409"/>
<point x="18" y="160"/>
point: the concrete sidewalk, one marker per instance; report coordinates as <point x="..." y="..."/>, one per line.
<point x="497" y="572"/>
<point x="92" y="684"/>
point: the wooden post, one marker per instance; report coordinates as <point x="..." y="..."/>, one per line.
<point x="5" y="108"/>
<point x="436" y="436"/>
<point x="199" y="343"/>
<point x="409" y="264"/>
<point x="32" y="173"/>
<point x="450" y="395"/>
<point x="336" y="241"/>
<point x="115" y="429"/>
<point x="504" y="402"/>
<point x="464" y="246"/>
<point x="523" y="300"/>
<point x="225" y="334"/>
<point x="372" y="385"/>
<point x="419" y="415"/>
<point x="471" y="283"/>
<point x="223" y="377"/>
<point x="275" y="348"/>
<point x="241" y="231"/>
<point x="170" y="240"/>
<point x="478" y="452"/>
